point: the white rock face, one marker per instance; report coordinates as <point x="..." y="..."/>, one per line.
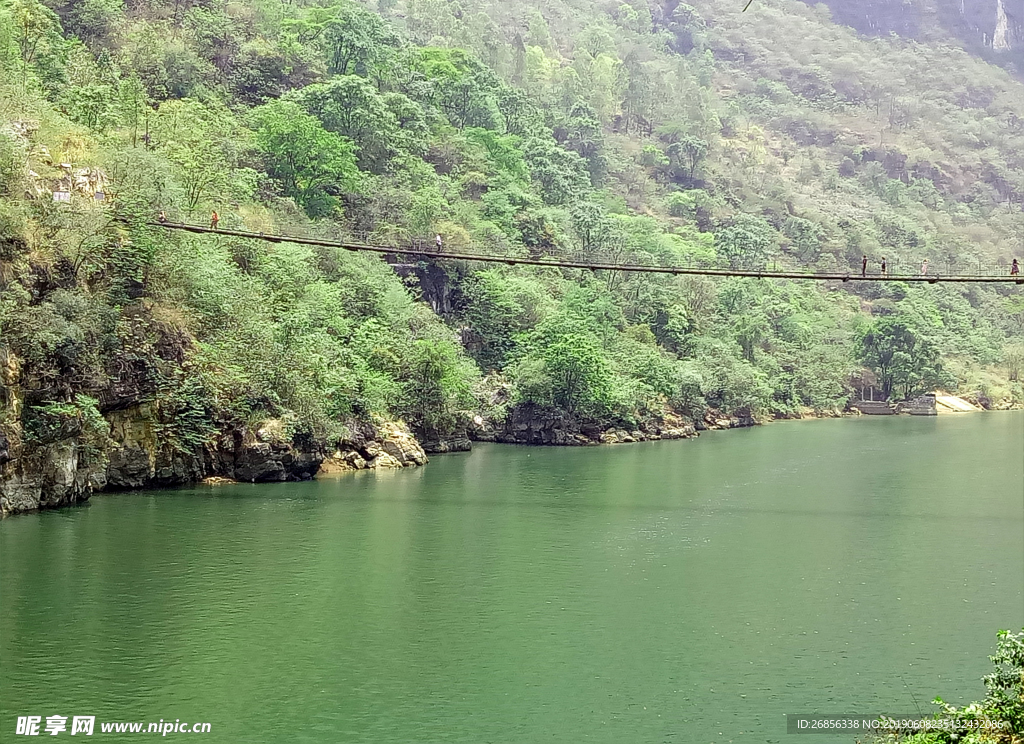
<point x="1001" y="36"/>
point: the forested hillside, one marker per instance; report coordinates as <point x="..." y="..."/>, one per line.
<point x="637" y="130"/>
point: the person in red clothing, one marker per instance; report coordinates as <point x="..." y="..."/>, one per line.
<point x="1015" y="268"/>
<point x="214" y="220"/>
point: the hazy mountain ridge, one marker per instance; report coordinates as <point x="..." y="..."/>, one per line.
<point x="994" y="28"/>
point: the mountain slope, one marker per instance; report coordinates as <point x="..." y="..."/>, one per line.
<point x="643" y="132"/>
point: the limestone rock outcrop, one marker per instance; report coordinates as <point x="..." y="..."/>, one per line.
<point x="366" y="447"/>
<point x="533" y="424"/>
<point x="53" y="475"/>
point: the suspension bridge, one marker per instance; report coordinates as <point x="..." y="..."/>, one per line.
<point x="932" y="277"/>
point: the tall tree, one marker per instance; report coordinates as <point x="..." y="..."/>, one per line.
<point x="312" y="165"/>
<point x="904" y="361"/>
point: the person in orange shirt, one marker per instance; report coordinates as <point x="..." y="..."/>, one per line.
<point x="214" y="220"/>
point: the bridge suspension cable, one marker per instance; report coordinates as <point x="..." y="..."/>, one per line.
<point x="421" y="253"/>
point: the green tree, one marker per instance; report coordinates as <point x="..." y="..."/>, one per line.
<point x="582" y="133"/>
<point x="354" y="38"/>
<point x="518" y="111"/>
<point x="687" y="155"/>
<point x="591" y="225"/>
<point x="461" y="86"/>
<point x="577" y="374"/>
<point x="37" y="33"/>
<point x="746" y="241"/>
<point x="437" y="387"/>
<point x="312" y="165"/>
<point x="203" y="144"/>
<point x="905" y="362"/>
<point x="562" y="175"/>
<point x="352" y="107"/>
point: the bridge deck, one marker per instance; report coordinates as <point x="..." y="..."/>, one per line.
<point x="596" y="266"/>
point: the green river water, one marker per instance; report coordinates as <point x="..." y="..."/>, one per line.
<point x="693" y="591"/>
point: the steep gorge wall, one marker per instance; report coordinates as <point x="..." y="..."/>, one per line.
<point x="995" y="25"/>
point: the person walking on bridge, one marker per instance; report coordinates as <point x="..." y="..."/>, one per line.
<point x="439" y="243"/>
<point x="924" y="267"/>
<point x="864" y="266"/>
<point x="1015" y="268"/>
<point x="883" y="266"/>
<point x="214" y="220"/>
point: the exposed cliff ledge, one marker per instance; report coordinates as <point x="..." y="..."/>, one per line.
<point x="74" y="449"/>
<point x="57" y="474"/>
<point x="138" y="459"/>
<point x="61" y="473"/>
<point x="52" y="476"/>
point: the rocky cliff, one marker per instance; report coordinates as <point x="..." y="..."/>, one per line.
<point x="982" y="25"/>
<point x="65" y="462"/>
<point x="367" y="446"/>
<point x="68" y="471"/>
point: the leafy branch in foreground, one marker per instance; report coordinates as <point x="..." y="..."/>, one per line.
<point x="998" y="719"/>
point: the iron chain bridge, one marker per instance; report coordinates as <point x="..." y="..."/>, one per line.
<point x="976" y="274"/>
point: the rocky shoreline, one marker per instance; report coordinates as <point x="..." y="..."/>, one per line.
<point x="539" y="426"/>
<point x="66" y="471"/>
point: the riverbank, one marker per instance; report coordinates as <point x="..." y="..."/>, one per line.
<point x="127" y="450"/>
<point x="129" y="453"/>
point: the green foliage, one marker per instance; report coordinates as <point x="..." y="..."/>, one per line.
<point x="568" y="369"/>
<point x="460" y="86"/>
<point x="354" y="38"/>
<point x="438" y="387"/>
<point x="52" y="422"/>
<point x="687" y="155"/>
<point x="186" y="414"/>
<point x="351" y="107"/>
<point x="12" y="156"/>
<point x="36" y="32"/>
<point x="203" y="144"/>
<point x="905" y="363"/>
<point x="562" y="175"/>
<point x="746" y="241"/>
<point x="312" y="165"/>
<point x="705" y="137"/>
